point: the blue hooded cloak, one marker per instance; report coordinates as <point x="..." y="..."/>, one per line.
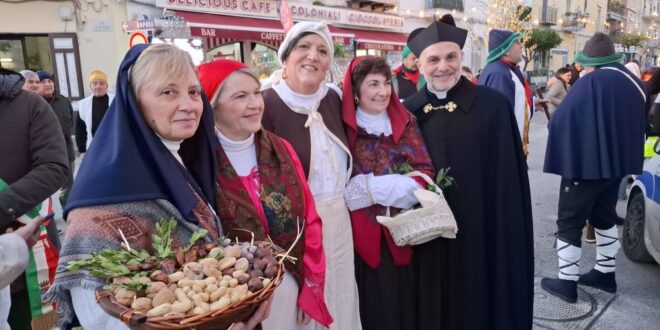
<point x="597" y="132"/>
<point x="127" y="162"/>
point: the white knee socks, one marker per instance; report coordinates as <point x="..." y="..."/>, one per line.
<point x="607" y="245"/>
<point x="569" y="260"/>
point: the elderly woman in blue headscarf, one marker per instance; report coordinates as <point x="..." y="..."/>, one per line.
<point x="152" y="159"/>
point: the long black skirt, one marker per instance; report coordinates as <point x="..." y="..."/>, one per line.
<point x="387" y="294"/>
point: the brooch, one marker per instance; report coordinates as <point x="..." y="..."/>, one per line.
<point x="451" y="106"/>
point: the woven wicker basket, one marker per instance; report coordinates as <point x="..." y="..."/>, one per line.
<point x="416" y="226"/>
<point x="221" y="319"/>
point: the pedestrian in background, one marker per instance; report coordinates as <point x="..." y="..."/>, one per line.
<point x="64" y="112"/>
<point x="91" y="110"/>
<point x="31" y="81"/>
<point x="34" y="165"/>
<point x="503" y="74"/>
<point x="557" y="91"/>
<point x="465" y="71"/>
<point x="576" y="69"/>
<point x="406" y="80"/>
<point x="605" y="111"/>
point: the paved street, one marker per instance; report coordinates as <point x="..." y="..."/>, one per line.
<point x="635" y="304"/>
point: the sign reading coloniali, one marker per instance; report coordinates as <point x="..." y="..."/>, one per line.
<point x="268" y="9"/>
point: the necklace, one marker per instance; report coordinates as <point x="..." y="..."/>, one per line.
<point x="451" y="106"/>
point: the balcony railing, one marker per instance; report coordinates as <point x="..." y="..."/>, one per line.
<point x="616" y="7"/>
<point x="652" y="10"/>
<point x="574" y="21"/>
<point x="549" y="17"/>
<point x="445" y="4"/>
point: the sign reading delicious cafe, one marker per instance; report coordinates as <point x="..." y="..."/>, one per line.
<point x="268" y="8"/>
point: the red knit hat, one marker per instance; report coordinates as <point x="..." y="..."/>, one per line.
<point x="213" y="74"/>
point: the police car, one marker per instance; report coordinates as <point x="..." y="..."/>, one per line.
<point x="641" y="229"/>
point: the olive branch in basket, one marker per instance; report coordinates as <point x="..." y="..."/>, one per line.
<point x="442" y="180"/>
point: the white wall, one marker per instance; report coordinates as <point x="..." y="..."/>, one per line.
<point x="99" y="50"/>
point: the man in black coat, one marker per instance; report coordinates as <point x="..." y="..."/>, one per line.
<point x="64" y="112"/>
<point x="484" y="278"/>
<point x="34" y="164"/>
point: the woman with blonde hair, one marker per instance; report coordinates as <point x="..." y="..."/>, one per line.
<point x="307" y="114"/>
<point x="152" y="158"/>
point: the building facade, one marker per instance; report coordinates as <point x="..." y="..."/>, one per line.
<point x="67" y="38"/>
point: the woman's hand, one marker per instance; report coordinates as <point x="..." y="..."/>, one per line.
<point x="261" y="314"/>
<point x="303" y="318"/>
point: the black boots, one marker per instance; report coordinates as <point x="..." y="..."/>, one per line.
<point x="564" y="289"/>
<point x="599" y="280"/>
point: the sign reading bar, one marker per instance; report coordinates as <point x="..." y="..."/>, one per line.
<point x="268" y="9"/>
<point x="267" y="37"/>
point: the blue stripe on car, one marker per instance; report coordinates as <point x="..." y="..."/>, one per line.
<point x="646" y="179"/>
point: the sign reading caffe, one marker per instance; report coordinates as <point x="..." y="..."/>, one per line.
<point x="268" y="9"/>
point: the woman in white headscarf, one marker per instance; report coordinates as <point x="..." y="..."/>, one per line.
<point x="300" y="108"/>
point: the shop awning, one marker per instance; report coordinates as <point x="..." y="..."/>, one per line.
<point x="221" y="29"/>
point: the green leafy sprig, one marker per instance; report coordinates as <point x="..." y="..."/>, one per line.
<point x="443" y="180"/>
<point x="196" y="236"/>
<point x="109" y="263"/>
<point x="162" y="241"/>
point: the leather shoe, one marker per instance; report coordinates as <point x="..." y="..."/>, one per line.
<point x="566" y="290"/>
<point x="599" y="280"/>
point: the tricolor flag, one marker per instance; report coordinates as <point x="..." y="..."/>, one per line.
<point x="285" y="15"/>
<point x="43" y="258"/>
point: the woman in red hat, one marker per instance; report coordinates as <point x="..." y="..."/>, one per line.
<point x="385" y="142"/>
<point x="262" y="189"/>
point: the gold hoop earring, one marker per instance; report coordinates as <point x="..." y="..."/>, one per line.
<point x="356" y="100"/>
<point x="284" y="76"/>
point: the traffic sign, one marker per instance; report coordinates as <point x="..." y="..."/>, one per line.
<point x="137" y="38"/>
<point x="138" y="25"/>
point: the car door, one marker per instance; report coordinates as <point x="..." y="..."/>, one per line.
<point x="652" y="226"/>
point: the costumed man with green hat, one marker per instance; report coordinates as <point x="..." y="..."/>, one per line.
<point x="406" y="79"/>
<point x="503" y="74"/>
<point x="596" y="137"/>
<point x="484" y="278"/>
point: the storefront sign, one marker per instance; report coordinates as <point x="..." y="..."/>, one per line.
<point x="266" y="37"/>
<point x="380" y="46"/>
<point x="268" y="9"/>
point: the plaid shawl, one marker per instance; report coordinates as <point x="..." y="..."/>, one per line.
<point x="95" y="228"/>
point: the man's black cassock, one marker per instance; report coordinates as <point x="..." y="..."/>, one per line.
<point x="484" y="278"/>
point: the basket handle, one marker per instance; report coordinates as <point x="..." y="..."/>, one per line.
<point x="426" y="178"/>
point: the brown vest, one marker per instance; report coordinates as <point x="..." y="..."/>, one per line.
<point x="290" y="125"/>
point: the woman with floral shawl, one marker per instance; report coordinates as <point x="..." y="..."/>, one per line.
<point x="386" y="143"/>
<point x="262" y="189"/>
